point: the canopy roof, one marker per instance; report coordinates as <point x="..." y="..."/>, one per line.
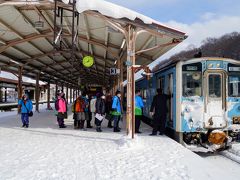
<point x="22" y="44"/>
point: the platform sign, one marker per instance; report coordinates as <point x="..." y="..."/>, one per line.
<point x="114" y="71"/>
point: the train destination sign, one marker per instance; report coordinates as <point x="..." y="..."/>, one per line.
<point x="192" y="67"/>
<point x="236" y="69"/>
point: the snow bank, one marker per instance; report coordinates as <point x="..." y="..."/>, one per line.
<point x="44" y="151"/>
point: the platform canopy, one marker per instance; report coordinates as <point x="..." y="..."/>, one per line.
<point x="27" y="35"/>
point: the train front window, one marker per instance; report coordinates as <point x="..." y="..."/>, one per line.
<point x="234" y="85"/>
<point x="214" y="84"/>
<point x="192" y="83"/>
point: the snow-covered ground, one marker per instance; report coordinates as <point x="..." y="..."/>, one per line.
<point x="45" y="152"/>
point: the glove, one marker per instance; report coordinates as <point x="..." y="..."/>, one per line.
<point x="151" y="113"/>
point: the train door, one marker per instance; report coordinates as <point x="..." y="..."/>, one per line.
<point x="215" y="99"/>
<point x="170" y="101"/>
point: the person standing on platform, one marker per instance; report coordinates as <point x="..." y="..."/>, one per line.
<point x="61" y="107"/>
<point x="25" y="104"/>
<point x="159" y="112"/>
<point x="93" y="107"/>
<point x="86" y="109"/>
<point x="78" y="110"/>
<point x="100" y="112"/>
<point x="138" y="110"/>
<point x="108" y="109"/>
<point x="116" y="111"/>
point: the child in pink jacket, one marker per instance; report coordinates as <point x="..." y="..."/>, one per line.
<point x="61" y="107"/>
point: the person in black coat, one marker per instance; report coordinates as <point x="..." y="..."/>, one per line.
<point x="159" y="112"/>
<point x="100" y="112"/>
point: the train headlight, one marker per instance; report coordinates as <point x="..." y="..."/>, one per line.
<point x="210" y="65"/>
<point x="236" y="120"/>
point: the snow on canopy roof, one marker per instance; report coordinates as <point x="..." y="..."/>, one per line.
<point x="23" y="43"/>
<point x="113" y="10"/>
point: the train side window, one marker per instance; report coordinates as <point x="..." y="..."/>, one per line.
<point x="161" y="82"/>
<point x="192" y="83"/>
<point x="144" y="94"/>
<point x="234" y="85"/>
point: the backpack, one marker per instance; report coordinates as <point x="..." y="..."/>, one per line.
<point x="57" y="104"/>
<point x="82" y="105"/>
<point x="118" y="100"/>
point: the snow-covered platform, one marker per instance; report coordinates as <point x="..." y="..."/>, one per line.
<point x="45" y="152"/>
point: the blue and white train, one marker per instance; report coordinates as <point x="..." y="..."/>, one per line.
<point x="204" y="110"/>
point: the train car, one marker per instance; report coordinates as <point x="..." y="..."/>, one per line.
<point x="204" y="108"/>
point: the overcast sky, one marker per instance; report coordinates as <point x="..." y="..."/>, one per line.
<point x="198" y="18"/>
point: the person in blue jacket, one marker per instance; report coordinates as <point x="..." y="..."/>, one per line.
<point x="138" y="110"/>
<point x="25" y="104"/>
<point x="116" y="111"/>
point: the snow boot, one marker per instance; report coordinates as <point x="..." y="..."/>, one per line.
<point x="115" y="129"/>
<point x="75" y="124"/>
<point x="110" y="124"/>
<point x="23" y="125"/>
<point x="81" y="124"/>
<point x="89" y="124"/>
<point x="26" y="126"/>
<point x="98" y="129"/>
<point x="153" y="134"/>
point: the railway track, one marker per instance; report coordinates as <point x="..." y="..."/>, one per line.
<point x="230" y="155"/>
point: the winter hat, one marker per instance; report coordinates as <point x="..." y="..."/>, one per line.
<point x="98" y="94"/>
<point x="118" y="92"/>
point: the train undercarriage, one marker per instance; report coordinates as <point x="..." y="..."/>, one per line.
<point x="210" y="141"/>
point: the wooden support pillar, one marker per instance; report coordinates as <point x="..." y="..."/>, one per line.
<point x="5" y="95"/>
<point x="130" y="39"/>
<point x="48" y="96"/>
<point x="56" y="90"/>
<point x="71" y="95"/>
<point x="1" y="96"/>
<point x="20" y="90"/>
<point x="118" y="76"/>
<point x="67" y="93"/>
<point x="121" y="77"/>
<point x="62" y="87"/>
<point x="74" y="94"/>
<point x="37" y="92"/>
